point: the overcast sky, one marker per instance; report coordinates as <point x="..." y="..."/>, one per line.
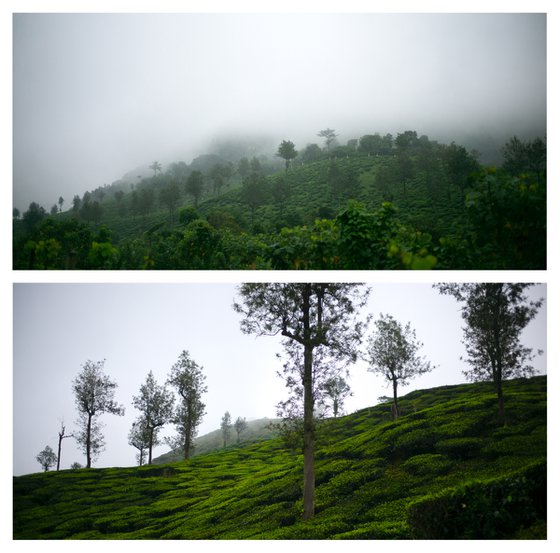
<point x="143" y="327"/>
<point x="97" y="95"/>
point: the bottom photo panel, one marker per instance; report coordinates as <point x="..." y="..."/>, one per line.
<point x="223" y="411"/>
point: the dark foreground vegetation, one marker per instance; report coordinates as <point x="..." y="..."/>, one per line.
<point x="446" y="469"/>
<point x="376" y="203"/>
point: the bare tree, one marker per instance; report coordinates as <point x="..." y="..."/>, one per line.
<point x="61" y="435"/>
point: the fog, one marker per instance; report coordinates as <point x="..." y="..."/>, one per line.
<point x="98" y="95"/>
<point x="143" y="327"/>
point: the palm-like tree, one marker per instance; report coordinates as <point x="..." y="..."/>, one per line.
<point x="156" y="166"/>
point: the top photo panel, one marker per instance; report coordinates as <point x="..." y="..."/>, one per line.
<point x="279" y="141"/>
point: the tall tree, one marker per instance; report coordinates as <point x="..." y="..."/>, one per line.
<point x="139" y="438"/>
<point x="155" y="404"/>
<point x="287" y="151"/>
<point x="240" y="426"/>
<point x="189" y="382"/>
<point x="225" y="427"/>
<point x="329" y="135"/>
<point x="46" y="458"/>
<point x="60" y="202"/>
<point x="495" y="315"/>
<point x="61" y="435"/>
<point x="392" y="352"/>
<point x="95" y="395"/>
<point x="312" y="315"/>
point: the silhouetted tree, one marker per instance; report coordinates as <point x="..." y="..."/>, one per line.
<point x="60" y="202"/>
<point x="155" y="404"/>
<point x="94" y="394"/>
<point x="46" y="458"/>
<point x="312" y="315"/>
<point x="495" y="314"/>
<point x="392" y="352"/>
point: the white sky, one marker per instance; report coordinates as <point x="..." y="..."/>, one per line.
<point x="143" y="327"/>
<point x="97" y="95"/>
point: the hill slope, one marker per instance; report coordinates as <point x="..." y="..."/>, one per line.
<point x="256" y="431"/>
<point x="446" y="452"/>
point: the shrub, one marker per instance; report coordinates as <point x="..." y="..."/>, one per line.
<point x="493" y="509"/>
<point x="460" y="448"/>
<point x="427" y="464"/>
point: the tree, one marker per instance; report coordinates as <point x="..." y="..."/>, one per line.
<point x="169" y="196"/>
<point x="226" y="427"/>
<point x="76" y="203"/>
<point x="60" y="202"/>
<point x="54" y="209"/>
<point x="94" y="394"/>
<point x="75" y="465"/>
<point x="495" y="315"/>
<point x="156" y="166"/>
<point x="189" y="382"/>
<point x="337" y="390"/>
<point x="16" y="213"/>
<point x="139" y="438"/>
<point x="392" y="352"/>
<point x="33" y="216"/>
<point x="254" y="192"/>
<point x="240" y="425"/>
<point x="46" y="458"/>
<point x="311" y="315"/>
<point x="329" y="135"/>
<point x="61" y="435"/>
<point x="287" y="151"/>
<point x="195" y="186"/>
<point x="155" y="404"/>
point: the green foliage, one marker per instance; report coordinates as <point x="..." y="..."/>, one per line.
<point x="492" y="509"/>
<point x="375" y="479"/>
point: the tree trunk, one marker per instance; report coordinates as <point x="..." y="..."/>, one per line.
<point x="308" y="438"/>
<point x="395" y="409"/>
<point x="308" y="422"/>
<point x="88" y="443"/>
<point x="59" y="448"/>
<point x="150" y="444"/>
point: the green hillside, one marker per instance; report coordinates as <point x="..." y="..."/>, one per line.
<point x="445" y="469"/>
<point x="256" y="431"/>
<point x="417" y="204"/>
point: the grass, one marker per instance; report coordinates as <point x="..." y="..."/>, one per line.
<point x="369" y="471"/>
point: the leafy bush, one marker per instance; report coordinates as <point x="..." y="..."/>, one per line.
<point x="482" y="510"/>
<point x="460" y="448"/>
<point x="427" y="464"/>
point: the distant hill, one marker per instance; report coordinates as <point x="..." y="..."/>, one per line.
<point x="444" y="470"/>
<point x="257" y="430"/>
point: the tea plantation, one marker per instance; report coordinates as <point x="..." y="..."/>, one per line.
<point x="444" y="470"/>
